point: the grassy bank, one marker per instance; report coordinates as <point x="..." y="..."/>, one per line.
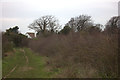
<point x="34" y="68"/>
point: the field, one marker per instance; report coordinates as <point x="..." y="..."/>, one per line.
<point x="22" y="63"/>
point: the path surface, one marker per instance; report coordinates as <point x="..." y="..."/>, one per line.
<point x="26" y="57"/>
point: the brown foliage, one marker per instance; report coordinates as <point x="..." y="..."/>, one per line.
<point x="80" y="54"/>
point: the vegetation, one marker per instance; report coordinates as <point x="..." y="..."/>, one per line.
<point x="65" y="30"/>
<point x="80" y="50"/>
<point x="12" y="38"/>
<point x="80" y="23"/>
<point x="45" y="24"/>
<point x="35" y="68"/>
<point x="70" y="53"/>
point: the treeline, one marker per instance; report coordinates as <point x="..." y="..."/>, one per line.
<point x="81" y="49"/>
<point x="48" y="24"/>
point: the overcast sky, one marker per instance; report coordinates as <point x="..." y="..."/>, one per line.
<point x="23" y="12"/>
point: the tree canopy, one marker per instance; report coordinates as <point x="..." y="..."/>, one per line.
<point x="80" y="23"/>
<point x="113" y="25"/>
<point x="13" y="30"/>
<point x="45" y="23"/>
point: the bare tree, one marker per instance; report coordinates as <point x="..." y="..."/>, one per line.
<point x="113" y="25"/>
<point x="45" y="23"/>
<point x="114" y="22"/>
<point x="80" y="22"/>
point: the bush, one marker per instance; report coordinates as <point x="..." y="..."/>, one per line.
<point x="96" y="54"/>
<point x="6" y="44"/>
<point x="65" y="30"/>
<point x="12" y="39"/>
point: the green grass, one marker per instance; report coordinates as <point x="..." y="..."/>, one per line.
<point x="35" y="68"/>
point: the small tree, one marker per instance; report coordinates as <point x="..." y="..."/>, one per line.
<point x="94" y="29"/>
<point x="65" y="30"/>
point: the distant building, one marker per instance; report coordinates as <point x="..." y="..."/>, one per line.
<point x="30" y="34"/>
<point x="119" y="8"/>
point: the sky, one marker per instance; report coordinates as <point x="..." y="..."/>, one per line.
<point x="23" y="12"/>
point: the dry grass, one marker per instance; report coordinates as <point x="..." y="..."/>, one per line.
<point x="80" y="55"/>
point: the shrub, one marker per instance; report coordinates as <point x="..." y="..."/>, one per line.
<point x="97" y="53"/>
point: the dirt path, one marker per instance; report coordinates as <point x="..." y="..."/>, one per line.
<point x="27" y="60"/>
